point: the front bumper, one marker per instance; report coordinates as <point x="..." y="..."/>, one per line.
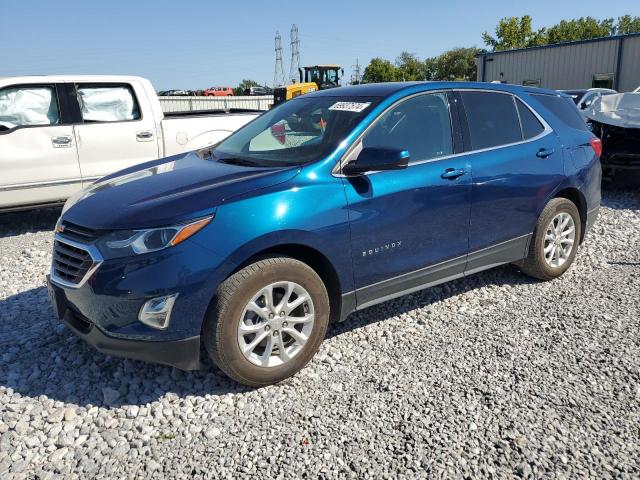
<point x="183" y="354"/>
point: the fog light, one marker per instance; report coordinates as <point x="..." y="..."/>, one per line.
<point x="157" y="312"/>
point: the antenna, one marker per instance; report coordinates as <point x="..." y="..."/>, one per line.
<point x="295" y="53"/>
<point x="278" y="75"/>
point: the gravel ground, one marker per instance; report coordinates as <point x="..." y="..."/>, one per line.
<point x="491" y="376"/>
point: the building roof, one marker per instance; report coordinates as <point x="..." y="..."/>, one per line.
<point x="562" y="44"/>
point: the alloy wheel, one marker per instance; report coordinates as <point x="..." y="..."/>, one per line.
<point x="276" y="324"/>
<point x="559" y="239"/>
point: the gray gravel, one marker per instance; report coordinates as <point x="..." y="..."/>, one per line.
<point x="491" y="376"/>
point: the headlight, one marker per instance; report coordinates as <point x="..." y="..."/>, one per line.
<point x="122" y="243"/>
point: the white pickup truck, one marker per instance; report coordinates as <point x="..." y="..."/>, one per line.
<point x="61" y="133"/>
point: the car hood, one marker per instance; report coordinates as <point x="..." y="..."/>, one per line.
<point x="167" y="191"/>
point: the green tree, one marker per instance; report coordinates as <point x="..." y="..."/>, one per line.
<point x="379" y="70"/>
<point x="455" y="64"/>
<point x="409" y="67"/>
<point x="244" y="84"/>
<point x="581" y="28"/>
<point x="628" y="24"/>
<point x="514" y="32"/>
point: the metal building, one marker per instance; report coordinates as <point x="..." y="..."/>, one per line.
<point x="609" y="62"/>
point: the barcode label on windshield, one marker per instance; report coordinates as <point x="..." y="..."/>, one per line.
<point x="349" y="106"/>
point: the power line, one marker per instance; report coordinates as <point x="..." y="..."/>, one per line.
<point x="355" y="79"/>
<point x="278" y="74"/>
<point x="295" y="53"/>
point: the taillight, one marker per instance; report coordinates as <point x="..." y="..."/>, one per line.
<point x="596" y="144"/>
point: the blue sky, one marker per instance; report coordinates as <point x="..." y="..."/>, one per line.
<point x="195" y="44"/>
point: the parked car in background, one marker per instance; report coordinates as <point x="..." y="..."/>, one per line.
<point x="615" y="119"/>
<point x="255" y="91"/>
<point x="328" y="203"/>
<point x="59" y="134"/>
<point x="218" y="92"/>
<point x="175" y="93"/>
<point x="583" y="98"/>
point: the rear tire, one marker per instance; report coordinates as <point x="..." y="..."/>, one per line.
<point x="252" y="317"/>
<point x="555" y="241"/>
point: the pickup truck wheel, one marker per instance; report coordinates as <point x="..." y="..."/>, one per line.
<point x="555" y="241"/>
<point x="268" y="321"/>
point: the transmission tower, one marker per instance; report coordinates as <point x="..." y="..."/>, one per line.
<point x="278" y="75"/>
<point x="295" y="53"/>
<point x="356" y="73"/>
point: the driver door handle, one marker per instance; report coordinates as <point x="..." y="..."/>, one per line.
<point x="452" y="173"/>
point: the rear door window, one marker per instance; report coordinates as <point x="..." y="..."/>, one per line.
<point x="421" y="125"/>
<point x="531" y="126"/>
<point x="492" y="119"/>
<point x="564" y="109"/>
<point x="28" y="106"/>
<point x="108" y="103"/>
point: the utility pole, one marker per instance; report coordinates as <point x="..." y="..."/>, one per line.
<point x="295" y="53"/>
<point x="356" y="73"/>
<point x="278" y="74"/>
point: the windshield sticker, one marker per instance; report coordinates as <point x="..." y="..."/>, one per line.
<point x="349" y="106"/>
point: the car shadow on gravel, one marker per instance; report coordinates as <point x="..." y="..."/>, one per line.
<point x="19" y="223"/>
<point x="41" y="357"/>
<point x="500" y="276"/>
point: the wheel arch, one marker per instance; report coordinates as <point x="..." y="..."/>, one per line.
<point x="578" y="199"/>
<point x="312" y="257"/>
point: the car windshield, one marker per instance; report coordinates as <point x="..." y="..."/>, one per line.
<point x="299" y="131"/>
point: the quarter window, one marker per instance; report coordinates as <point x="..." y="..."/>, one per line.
<point x="28" y="106"/>
<point x="564" y="109"/>
<point x="492" y="119"/>
<point x="421" y="125"/>
<point x="107" y="103"/>
<point x="531" y="126"/>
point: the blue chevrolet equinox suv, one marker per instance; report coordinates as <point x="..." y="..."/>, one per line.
<point x="329" y="203"/>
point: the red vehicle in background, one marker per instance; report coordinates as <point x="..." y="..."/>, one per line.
<point x="218" y="92"/>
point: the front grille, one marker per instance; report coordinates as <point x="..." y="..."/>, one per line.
<point x="77" y="232"/>
<point x="71" y="264"/>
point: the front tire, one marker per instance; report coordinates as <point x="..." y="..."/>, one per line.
<point x="555" y="241"/>
<point x="268" y="321"/>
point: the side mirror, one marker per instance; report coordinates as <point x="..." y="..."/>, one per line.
<point x="374" y="159"/>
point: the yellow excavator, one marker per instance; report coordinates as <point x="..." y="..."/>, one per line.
<point x="317" y="77"/>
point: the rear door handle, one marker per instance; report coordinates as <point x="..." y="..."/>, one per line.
<point x="452" y="173"/>
<point x="61" y="142"/>
<point x="144" y="136"/>
<point x="545" y="152"/>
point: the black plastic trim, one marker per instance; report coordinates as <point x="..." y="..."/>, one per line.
<point x="183" y="354"/>
<point x="505" y="252"/>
